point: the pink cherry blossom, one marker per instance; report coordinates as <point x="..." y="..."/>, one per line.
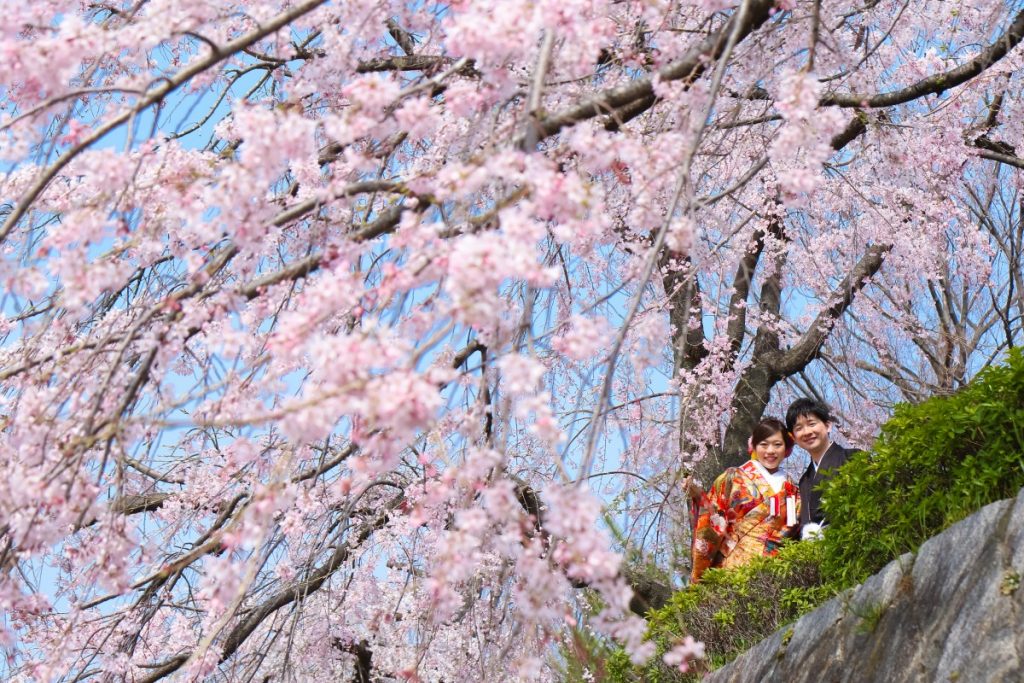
<point x="679" y="655"/>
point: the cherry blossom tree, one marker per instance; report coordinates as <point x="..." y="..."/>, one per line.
<point x="353" y="340"/>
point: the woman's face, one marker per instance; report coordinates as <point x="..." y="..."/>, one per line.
<point x="772" y="451"/>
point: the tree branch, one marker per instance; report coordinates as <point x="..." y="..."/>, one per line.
<point x="737" y="325"/>
<point x="641" y="92"/>
<point x="404" y="39"/>
<point x="412" y="63"/>
<point x="683" y="292"/>
<point x="1008" y="159"/>
<point x="807" y="348"/>
<point x="154" y="95"/>
<point x="766" y="341"/>
<point x="298" y="591"/>
<point x="937" y="83"/>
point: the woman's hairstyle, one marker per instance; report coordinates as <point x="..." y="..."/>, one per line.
<point x="766" y="428"/>
<point x="807" y="406"/>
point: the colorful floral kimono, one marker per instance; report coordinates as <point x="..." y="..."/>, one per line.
<point x="746" y="514"/>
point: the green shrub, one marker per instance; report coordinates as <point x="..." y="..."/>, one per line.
<point x="933" y="464"/>
<point x="730" y="610"/>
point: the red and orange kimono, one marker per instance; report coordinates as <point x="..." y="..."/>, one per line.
<point x="746" y="514"/>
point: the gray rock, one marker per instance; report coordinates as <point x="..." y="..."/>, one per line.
<point x="952" y="613"/>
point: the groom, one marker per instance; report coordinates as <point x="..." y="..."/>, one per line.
<point x="809" y="422"/>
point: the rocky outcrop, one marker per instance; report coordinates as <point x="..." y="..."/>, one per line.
<point x="953" y="612"/>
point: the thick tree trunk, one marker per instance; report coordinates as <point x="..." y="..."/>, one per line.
<point x="748" y="406"/>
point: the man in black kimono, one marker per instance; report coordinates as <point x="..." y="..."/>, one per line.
<point x="809" y="422"/>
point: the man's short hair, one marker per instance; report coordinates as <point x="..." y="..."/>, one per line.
<point x="806" y="406"/>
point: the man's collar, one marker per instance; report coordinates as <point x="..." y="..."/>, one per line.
<point x="816" y="465"/>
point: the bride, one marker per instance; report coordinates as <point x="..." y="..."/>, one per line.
<point x="749" y="509"/>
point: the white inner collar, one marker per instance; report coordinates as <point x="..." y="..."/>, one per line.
<point x="815" y="464"/>
<point x="775" y="481"/>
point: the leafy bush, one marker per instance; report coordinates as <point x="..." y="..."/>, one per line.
<point x="933" y="464"/>
<point x="730" y="610"/>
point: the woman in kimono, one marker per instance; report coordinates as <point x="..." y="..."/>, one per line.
<point x="750" y="508"/>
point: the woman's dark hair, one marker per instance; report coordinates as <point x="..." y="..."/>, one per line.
<point x="806" y="406"/>
<point x="766" y="428"/>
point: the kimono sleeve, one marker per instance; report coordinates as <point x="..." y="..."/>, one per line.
<point x="713" y="525"/>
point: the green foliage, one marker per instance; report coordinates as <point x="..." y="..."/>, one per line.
<point x="869" y="615"/>
<point x="583" y="656"/>
<point x="1010" y="582"/>
<point x="934" y="463"/>
<point x="731" y="609"/>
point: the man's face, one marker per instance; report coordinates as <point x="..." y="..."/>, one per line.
<point x="811" y="433"/>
